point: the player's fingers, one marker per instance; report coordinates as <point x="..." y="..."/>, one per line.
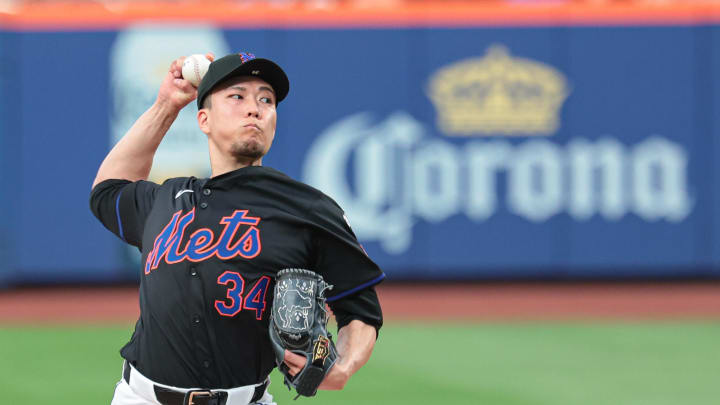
<point x="294" y="359"/>
<point x="185" y="86"/>
<point x="176" y="67"/>
<point x="294" y="362"/>
<point x="293" y="370"/>
<point x="210" y="56"/>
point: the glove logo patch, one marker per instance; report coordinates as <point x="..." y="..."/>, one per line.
<point x="321" y="350"/>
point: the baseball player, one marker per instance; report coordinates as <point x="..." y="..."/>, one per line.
<point x="211" y="247"/>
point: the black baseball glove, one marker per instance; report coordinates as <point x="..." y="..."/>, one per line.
<point x="298" y="323"/>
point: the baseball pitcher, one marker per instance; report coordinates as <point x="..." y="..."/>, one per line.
<point x="236" y="268"/>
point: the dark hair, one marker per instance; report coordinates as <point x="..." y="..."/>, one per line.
<point x="206" y="103"/>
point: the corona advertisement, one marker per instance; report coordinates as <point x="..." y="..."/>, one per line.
<point x="469" y="151"/>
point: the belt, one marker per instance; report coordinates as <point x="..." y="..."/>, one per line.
<point x="168" y="395"/>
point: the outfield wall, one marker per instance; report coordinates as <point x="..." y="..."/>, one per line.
<point x="463" y="146"/>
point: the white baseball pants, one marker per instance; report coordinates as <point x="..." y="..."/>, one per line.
<point x="140" y="392"/>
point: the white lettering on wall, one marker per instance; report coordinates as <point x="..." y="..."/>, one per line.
<point x="401" y="175"/>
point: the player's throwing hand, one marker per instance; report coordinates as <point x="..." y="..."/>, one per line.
<point x="176" y="92"/>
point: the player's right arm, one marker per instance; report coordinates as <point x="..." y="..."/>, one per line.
<point x="131" y="158"/>
<point x="120" y="198"/>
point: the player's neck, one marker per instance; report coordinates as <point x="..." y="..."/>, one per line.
<point x="223" y="167"/>
<point x="222" y="162"/>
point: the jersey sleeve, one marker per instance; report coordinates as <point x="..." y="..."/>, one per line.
<point x="122" y="207"/>
<point x="338" y="256"/>
<point x="362" y="305"/>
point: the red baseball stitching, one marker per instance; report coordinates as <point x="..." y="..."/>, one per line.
<point x="196" y="67"/>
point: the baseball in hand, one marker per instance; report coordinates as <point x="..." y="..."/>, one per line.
<point x="194" y="68"/>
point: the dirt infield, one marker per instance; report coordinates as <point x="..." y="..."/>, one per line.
<point x="481" y="302"/>
<point x="575" y="301"/>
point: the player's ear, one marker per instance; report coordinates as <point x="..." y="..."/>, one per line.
<point x="203" y="119"/>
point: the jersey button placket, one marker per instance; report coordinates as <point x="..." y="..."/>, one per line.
<point x="206" y="192"/>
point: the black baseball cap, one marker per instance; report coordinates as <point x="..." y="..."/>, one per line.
<point x="243" y="64"/>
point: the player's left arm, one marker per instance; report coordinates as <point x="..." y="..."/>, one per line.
<point x="355" y="344"/>
<point x="340" y="259"/>
<point x="359" y="318"/>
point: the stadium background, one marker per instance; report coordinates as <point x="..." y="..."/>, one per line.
<point x="537" y="179"/>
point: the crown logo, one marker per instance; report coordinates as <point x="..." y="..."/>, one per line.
<point x="498" y="94"/>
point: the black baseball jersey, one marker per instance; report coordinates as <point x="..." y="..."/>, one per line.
<point x="210" y="252"/>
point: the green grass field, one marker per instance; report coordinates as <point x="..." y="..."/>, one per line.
<point x="496" y="364"/>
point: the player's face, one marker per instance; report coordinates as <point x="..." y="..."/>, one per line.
<point x="242" y="118"/>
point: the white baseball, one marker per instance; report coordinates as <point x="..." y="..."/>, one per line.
<point x="194" y="68"/>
